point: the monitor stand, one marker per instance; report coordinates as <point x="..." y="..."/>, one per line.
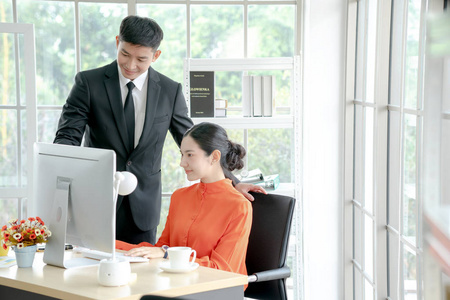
<point x="54" y="253"/>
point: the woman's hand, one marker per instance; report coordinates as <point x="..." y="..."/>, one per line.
<point x="147" y="252"/>
<point x="244" y="188"/>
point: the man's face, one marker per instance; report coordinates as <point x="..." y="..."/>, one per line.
<point x="133" y="59"/>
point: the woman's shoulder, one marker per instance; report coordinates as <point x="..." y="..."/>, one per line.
<point x="187" y="189"/>
<point x="237" y="198"/>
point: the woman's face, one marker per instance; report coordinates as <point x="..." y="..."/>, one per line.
<point x="195" y="162"/>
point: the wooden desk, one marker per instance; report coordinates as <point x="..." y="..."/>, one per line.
<point x="81" y="283"/>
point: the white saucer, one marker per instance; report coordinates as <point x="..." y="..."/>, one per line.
<point x="165" y="266"/>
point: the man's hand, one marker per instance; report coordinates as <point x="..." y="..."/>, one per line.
<point x="244" y="188"/>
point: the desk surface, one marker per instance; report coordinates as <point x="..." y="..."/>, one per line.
<point x="81" y="283"/>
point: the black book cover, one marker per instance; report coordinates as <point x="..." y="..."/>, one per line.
<point x="202" y="94"/>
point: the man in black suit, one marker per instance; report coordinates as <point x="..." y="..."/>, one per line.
<point x="95" y="109"/>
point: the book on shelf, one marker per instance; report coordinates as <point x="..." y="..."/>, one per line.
<point x="268" y="90"/>
<point x="270" y="182"/>
<point x="247" y="96"/>
<point x="258" y="95"/>
<point x="221" y="103"/>
<point x="201" y="94"/>
<point x="220" y="112"/>
<point x="220" y="108"/>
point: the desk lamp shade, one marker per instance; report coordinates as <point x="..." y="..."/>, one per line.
<point x="128" y="182"/>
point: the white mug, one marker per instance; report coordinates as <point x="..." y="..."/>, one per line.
<point x="179" y="257"/>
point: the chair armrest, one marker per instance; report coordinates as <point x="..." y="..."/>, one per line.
<point x="268" y="275"/>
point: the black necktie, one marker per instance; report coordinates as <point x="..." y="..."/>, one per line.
<point x="129" y="115"/>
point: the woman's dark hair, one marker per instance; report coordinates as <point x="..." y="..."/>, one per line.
<point x="141" y="31"/>
<point x="209" y="137"/>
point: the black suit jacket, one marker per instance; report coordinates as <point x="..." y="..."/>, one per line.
<point x="94" y="107"/>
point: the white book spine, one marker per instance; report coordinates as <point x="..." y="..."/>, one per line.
<point x="246" y="96"/>
<point x="257" y="96"/>
<point x="268" y="95"/>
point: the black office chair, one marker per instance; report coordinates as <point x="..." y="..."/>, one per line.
<point x="268" y="245"/>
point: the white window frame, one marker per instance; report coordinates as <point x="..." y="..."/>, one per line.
<point x="388" y="262"/>
<point x="22" y="191"/>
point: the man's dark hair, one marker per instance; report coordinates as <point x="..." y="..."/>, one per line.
<point x="141" y="31"/>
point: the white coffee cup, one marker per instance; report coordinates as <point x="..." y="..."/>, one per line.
<point x="179" y="257"/>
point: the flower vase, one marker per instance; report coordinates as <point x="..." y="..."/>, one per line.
<point x="25" y="256"/>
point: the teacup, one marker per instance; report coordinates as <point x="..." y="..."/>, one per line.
<point x="179" y="257"/>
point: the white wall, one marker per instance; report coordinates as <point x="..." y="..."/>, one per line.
<point x="323" y="142"/>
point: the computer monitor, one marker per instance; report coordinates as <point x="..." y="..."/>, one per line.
<point x="73" y="192"/>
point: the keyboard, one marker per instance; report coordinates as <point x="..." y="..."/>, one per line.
<point x="99" y="255"/>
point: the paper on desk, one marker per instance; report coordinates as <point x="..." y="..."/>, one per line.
<point x="6" y="262"/>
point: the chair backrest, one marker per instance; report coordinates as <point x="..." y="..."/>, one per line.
<point x="268" y="243"/>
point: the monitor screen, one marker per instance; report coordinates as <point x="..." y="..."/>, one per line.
<point x="73" y="192"/>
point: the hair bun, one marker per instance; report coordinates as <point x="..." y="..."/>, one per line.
<point x="235" y="156"/>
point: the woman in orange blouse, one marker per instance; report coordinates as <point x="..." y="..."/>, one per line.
<point x="210" y="216"/>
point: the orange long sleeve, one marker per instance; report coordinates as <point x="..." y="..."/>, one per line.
<point x="214" y="219"/>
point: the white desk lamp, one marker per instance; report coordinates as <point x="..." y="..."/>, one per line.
<point x="113" y="271"/>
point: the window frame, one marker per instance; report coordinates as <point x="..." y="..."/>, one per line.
<point x="23" y="191"/>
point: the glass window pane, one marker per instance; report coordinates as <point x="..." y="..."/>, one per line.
<point x="368" y="247"/>
<point x="6" y="14"/>
<point x="228" y="85"/>
<point x="369" y="159"/>
<point x="409" y="274"/>
<point x="55" y="47"/>
<point x="217" y="31"/>
<point x="412" y="53"/>
<point x="272" y="151"/>
<point x="99" y="22"/>
<point x="358" y="155"/>
<point x="23" y="160"/>
<point x="172" y="175"/>
<point x="8" y="70"/>
<point x="8" y="209"/>
<point x="397" y="53"/>
<point x="371" y="50"/>
<point x="164" y="212"/>
<point x="409" y="178"/>
<point x="358" y="284"/>
<point x="357" y="235"/>
<point x="271" y="30"/>
<point x="172" y="19"/>
<point x="47" y="124"/>
<point x="9" y="168"/>
<point x="236" y="136"/>
<point x="360" y="52"/>
<point x="368" y="291"/>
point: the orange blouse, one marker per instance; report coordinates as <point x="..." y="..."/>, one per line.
<point x="212" y="218"/>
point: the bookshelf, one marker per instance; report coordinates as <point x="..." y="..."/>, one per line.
<point x="292" y="120"/>
<point x="245" y="65"/>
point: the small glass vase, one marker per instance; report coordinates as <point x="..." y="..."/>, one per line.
<point x="25" y="256"/>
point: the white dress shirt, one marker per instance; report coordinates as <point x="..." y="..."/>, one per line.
<point x="139" y="99"/>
